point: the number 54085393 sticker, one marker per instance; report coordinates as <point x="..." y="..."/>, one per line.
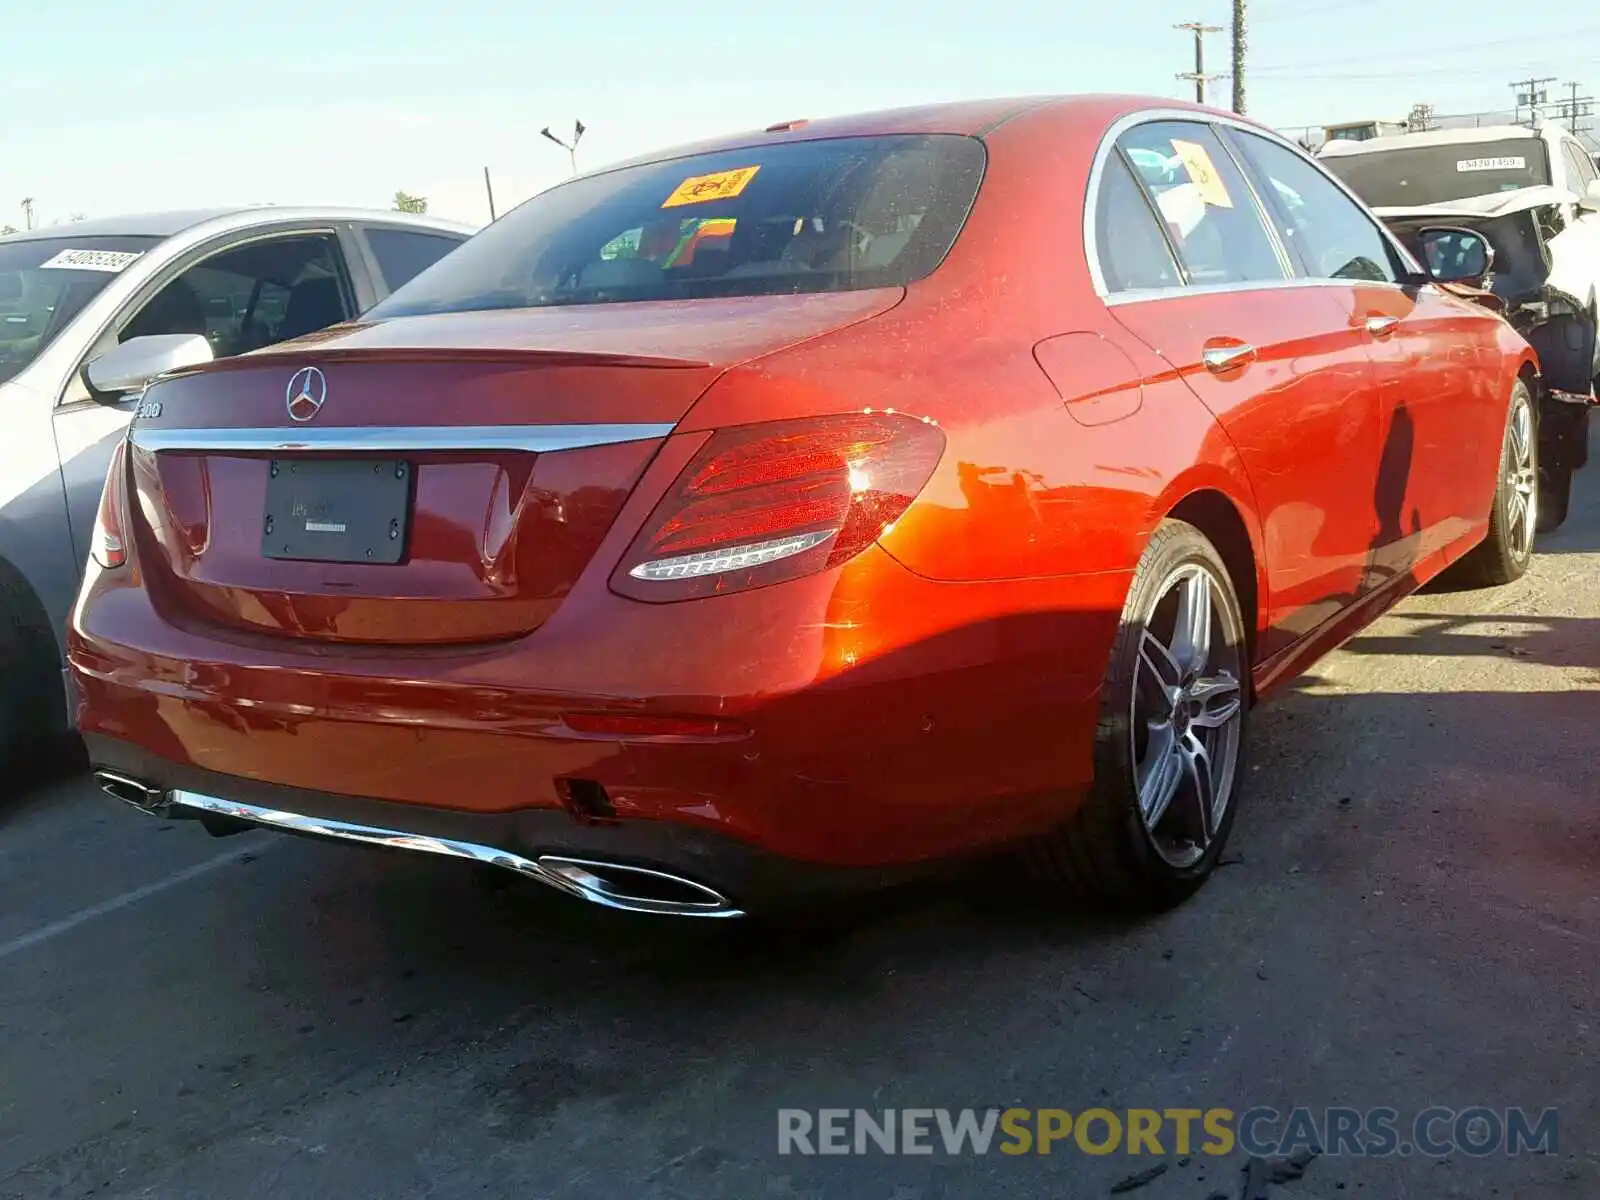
<point x="110" y="261"/>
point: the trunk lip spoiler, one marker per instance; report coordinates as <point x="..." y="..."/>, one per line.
<point x="379" y="439"/>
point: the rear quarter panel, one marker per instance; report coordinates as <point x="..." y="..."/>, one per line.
<point x="1058" y="461"/>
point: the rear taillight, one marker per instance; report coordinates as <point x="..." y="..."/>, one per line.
<point x="107" y="547"/>
<point x="765" y="503"/>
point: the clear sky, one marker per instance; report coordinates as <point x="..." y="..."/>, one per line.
<point x="108" y="106"/>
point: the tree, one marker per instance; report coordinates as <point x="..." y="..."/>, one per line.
<point x="76" y="217"/>
<point x="410" y="204"/>
<point x="5" y="229"/>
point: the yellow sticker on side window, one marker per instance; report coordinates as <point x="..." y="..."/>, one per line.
<point x="698" y="189"/>
<point x="1203" y="172"/>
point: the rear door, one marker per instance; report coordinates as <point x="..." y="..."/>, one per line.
<point x="1575" y="250"/>
<point x="243" y="291"/>
<point x="1275" y="360"/>
<point x="1435" y="357"/>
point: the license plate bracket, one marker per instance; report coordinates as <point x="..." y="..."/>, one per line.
<point x="337" y="510"/>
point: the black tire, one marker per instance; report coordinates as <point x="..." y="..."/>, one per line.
<point x="1555" y="497"/>
<point x="1505" y="554"/>
<point x="1106" y="855"/>
<point x="33" y="724"/>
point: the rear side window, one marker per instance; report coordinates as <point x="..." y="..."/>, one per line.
<point x="1210" y="214"/>
<point x="1132" y="250"/>
<point x="1326" y="230"/>
<point x="403" y="254"/>
<point x="836" y="214"/>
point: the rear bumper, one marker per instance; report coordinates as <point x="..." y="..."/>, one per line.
<point x="655" y="868"/>
<point x="872" y="720"/>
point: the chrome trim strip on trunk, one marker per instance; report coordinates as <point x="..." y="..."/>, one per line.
<point x="386" y="439"/>
<point x="597" y="882"/>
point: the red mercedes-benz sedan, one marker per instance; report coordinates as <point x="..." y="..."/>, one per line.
<point x="796" y="509"/>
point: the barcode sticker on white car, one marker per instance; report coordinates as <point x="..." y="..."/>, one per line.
<point x="112" y="261"/>
<point x="1510" y="163"/>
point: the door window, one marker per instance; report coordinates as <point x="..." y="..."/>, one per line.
<point x="251" y="295"/>
<point x="403" y="254"/>
<point x="1580" y="165"/>
<point x="1132" y="250"/>
<point x="1329" y="233"/>
<point x="1210" y="213"/>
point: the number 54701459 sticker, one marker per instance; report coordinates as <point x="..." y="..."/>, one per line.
<point x="1203" y="172"/>
<point x="723" y="185"/>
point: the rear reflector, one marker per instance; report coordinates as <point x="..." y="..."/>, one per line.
<point x="106" y="546"/>
<point x="761" y="504"/>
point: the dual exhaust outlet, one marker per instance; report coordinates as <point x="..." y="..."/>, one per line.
<point x="614" y="885"/>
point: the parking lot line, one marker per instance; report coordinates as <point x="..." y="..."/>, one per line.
<point x="67" y="924"/>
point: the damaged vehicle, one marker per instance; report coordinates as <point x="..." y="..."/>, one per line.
<point x="1499" y="245"/>
<point x="1533" y="196"/>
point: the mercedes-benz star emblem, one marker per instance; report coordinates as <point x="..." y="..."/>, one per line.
<point x="306" y="393"/>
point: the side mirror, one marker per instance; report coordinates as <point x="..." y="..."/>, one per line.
<point x="1590" y="200"/>
<point x="1455" y="255"/>
<point x="135" y="364"/>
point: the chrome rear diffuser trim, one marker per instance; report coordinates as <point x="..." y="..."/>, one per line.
<point x="613" y="885"/>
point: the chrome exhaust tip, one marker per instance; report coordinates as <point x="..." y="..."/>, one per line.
<point x="145" y="797"/>
<point x="635" y="889"/>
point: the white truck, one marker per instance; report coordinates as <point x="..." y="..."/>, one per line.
<point x="1534" y="193"/>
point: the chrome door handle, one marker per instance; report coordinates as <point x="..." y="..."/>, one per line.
<point x="1381" y="326"/>
<point x="1224" y="358"/>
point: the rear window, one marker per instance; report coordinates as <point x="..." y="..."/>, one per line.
<point x="1435" y="174"/>
<point x="838" y="214"/>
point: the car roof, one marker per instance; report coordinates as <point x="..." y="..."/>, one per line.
<point x="1433" y="137"/>
<point x="167" y="224"/>
<point x="973" y="118"/>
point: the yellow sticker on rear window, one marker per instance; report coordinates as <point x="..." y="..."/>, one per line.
<point x="698" y="189"/>
<point x="1203" y="172"/>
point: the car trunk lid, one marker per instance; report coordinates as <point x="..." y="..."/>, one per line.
<point x="427" y="480"/>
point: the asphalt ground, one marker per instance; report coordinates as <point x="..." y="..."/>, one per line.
<point x="1409" y="917"/>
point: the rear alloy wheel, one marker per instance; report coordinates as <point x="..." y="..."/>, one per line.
<point x="1169" y="746"/>
<point x="1504" y="555"/>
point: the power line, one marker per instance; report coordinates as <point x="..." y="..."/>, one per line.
<point x="1410" y="57"/>
<point x="1198" y="75"/>
<point x="1322" y="11"/>
<point x="1397" y="75"/>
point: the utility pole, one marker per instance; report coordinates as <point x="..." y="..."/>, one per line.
<point x="570" y="147"/>
<point x="1576" y="107"/>
<point x="1238" y="55"/>
<point x="489" y="188"/>
<point x="1531" y="95"/>
<point x="1199" y="73"/>
<point x="27" y="212"/>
